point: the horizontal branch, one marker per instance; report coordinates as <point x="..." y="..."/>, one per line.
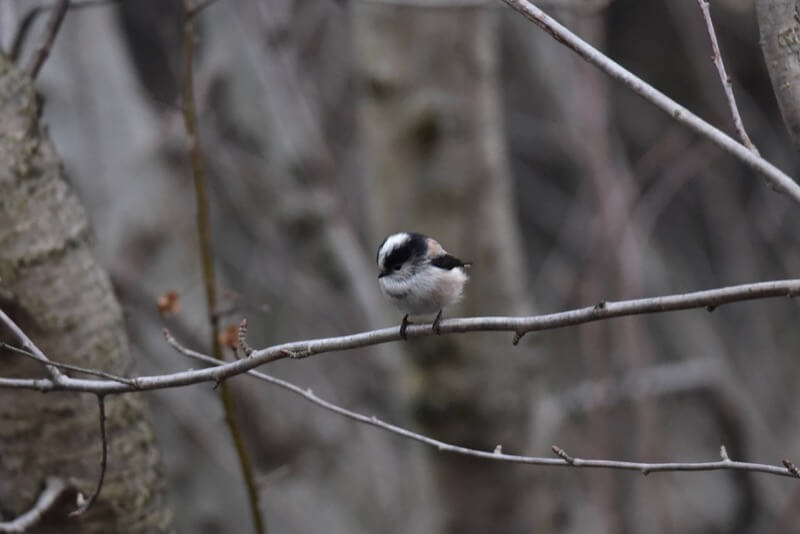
<point x="709" y="299"/>
<point x="563" y="460"/>
<point x="779" y="180"/>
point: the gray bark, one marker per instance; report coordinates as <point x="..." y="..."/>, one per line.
<point x="53" y="287"/>
<point x="779" y="26"/>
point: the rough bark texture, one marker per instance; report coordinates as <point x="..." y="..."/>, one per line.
<point x="53" y="287"/>
<point x="433" y="146"/>
<point x="779" y="25"/>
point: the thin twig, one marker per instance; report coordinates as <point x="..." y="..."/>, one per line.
<point x="243" y="344"/>
<point x="86" y="504"/>
<point x="68" y="367"/>
<point x="790" y="467"/>
<point x="207" y="256"/>
<point x="778" y="180"/>
<point x="708" y="299"/>
<point x="27" y="20"/>
<point x="40" y="56"/>
<point x="53" y="489"/>
<point x="31" y="347"/>
<point x="496" y="454"/>
<point x="725" y="79"/>
<point x="561" y="453"/>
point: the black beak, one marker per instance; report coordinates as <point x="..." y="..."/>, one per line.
<point x="382" y="274"/>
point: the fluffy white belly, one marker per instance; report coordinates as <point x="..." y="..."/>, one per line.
<point x="427" y="292"/>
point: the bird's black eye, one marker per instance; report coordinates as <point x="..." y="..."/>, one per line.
<point x="397" y="267"/>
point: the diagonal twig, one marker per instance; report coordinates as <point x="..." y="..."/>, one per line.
<point x="53" y="489"/>
<point x="31" y="347"/>
<point x="27" y="20"/>
<point x="716" y="57"/>
<point x="777" y="179"/>
<point x="53" y="25"/>
<point x="69" y="367"/>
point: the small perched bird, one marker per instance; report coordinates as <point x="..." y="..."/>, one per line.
<point x="419" y="276"/>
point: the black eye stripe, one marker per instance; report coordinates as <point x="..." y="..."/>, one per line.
<point x="414" y="247"/>
<point x="397" y="257"/>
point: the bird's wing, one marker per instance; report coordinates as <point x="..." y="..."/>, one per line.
<point x="448" y="261"/>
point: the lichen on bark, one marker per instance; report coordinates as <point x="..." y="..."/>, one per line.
<point x="53" y="287"/>
<point x="779" y="26"/>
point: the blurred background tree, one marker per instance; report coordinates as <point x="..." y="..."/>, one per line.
<point x="326" y="125"/>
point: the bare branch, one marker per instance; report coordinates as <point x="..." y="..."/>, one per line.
<point x="53" y="489"/>
<point x="497" y="453"/>
<point x="30" y="17"/>
<point x="204" y="235"/>
<point x="56" y="18"/>
<point x="86" y="504"/>
<point x="777" y="179"/>
<point x="709" y="299"/>
<point x="31" y="348"/>
<point x="220" y="370"/>
<point x="725" y="79"/>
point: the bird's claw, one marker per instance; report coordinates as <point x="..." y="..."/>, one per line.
<point x="403" y="327"/>
<point x="436" y="322"/>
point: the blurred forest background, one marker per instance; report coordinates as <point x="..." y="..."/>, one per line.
<point x="326" y="125"/>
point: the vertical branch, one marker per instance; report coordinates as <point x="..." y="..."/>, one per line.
<point x="85" y="505"/>
<point x="207" y="255"/>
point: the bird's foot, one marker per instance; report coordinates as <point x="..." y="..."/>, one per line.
<point x="403" y="327"/>
<point x="436" y="322"/>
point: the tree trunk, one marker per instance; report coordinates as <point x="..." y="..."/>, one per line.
<point x="55" y="290"/>
<point x="779" y="26"/>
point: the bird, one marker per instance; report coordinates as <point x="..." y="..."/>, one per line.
<point x="419" y="276"/>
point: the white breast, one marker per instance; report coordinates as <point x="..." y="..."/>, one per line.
<point x="425" y="292"/>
